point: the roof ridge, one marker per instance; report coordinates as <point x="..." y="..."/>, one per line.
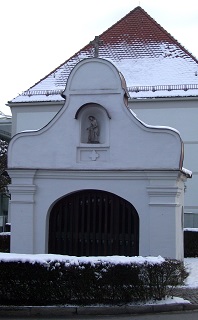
<point x="133" y="22"/>
<point x="83" y="48"/>
<point x="170" y="35"/>
<point x="87" y="45"/>
<point x="107" y="30"/>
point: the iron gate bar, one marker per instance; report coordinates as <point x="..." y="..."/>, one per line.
<point x="93" y="222"/>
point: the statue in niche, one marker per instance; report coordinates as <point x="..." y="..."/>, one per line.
<point x="93" y="130"/>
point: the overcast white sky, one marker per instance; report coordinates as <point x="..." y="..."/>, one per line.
<point x="37" y="36"/>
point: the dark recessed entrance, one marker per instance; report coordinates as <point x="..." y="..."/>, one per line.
<point x="93" y="223"/>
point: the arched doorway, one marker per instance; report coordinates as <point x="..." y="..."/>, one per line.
<point x="93" y="223"/>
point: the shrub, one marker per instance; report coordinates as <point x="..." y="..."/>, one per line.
<point x="63" y="282"/>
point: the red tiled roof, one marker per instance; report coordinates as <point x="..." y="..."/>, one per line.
<point x="140" y="48"/>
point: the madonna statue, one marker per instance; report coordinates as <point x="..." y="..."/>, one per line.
<point x="93" y="130"/>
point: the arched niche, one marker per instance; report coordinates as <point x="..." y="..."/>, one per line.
<point x="101" y="118"/>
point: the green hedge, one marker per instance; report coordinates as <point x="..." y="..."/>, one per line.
<point x="61" y="282"/>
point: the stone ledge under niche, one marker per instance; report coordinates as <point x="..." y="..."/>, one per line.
<point x="92" y="153"/>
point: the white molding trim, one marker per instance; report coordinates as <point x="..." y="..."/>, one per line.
<point x="108" y="174"/>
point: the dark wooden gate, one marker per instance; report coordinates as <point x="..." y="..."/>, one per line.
<point x="93" y="223"/>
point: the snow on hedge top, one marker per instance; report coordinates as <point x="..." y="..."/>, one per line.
<point x="191" y="229"/>
<point x="73" y="260"/>
<point x="153" y="63"/>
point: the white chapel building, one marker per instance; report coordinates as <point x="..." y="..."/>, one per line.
<point x="133" y="164"/>
<point x="96" y="180"/>
<point x="162" y="82"/>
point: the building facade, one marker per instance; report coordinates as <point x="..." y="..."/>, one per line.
<point x="96" y="180"/>
<point x="162" y="84"/>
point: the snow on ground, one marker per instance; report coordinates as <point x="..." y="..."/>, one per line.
<point x="191" y="265"/>
<point x="169" y="300"/>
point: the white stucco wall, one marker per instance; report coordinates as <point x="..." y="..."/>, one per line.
<point x="33" y="116"/>
<point x="182" y="114"/>
<point x="157" y="199"/>
<point x="179" y="113"/>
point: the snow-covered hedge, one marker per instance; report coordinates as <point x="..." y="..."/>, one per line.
<point x="52" y="279"/>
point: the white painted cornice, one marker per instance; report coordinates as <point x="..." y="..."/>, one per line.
<point x="108" y="174"/>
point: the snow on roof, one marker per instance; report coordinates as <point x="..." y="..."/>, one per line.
<point x="153" y="63"/>
<point x="187" y="172"/>
<point x="4" y="117"/>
